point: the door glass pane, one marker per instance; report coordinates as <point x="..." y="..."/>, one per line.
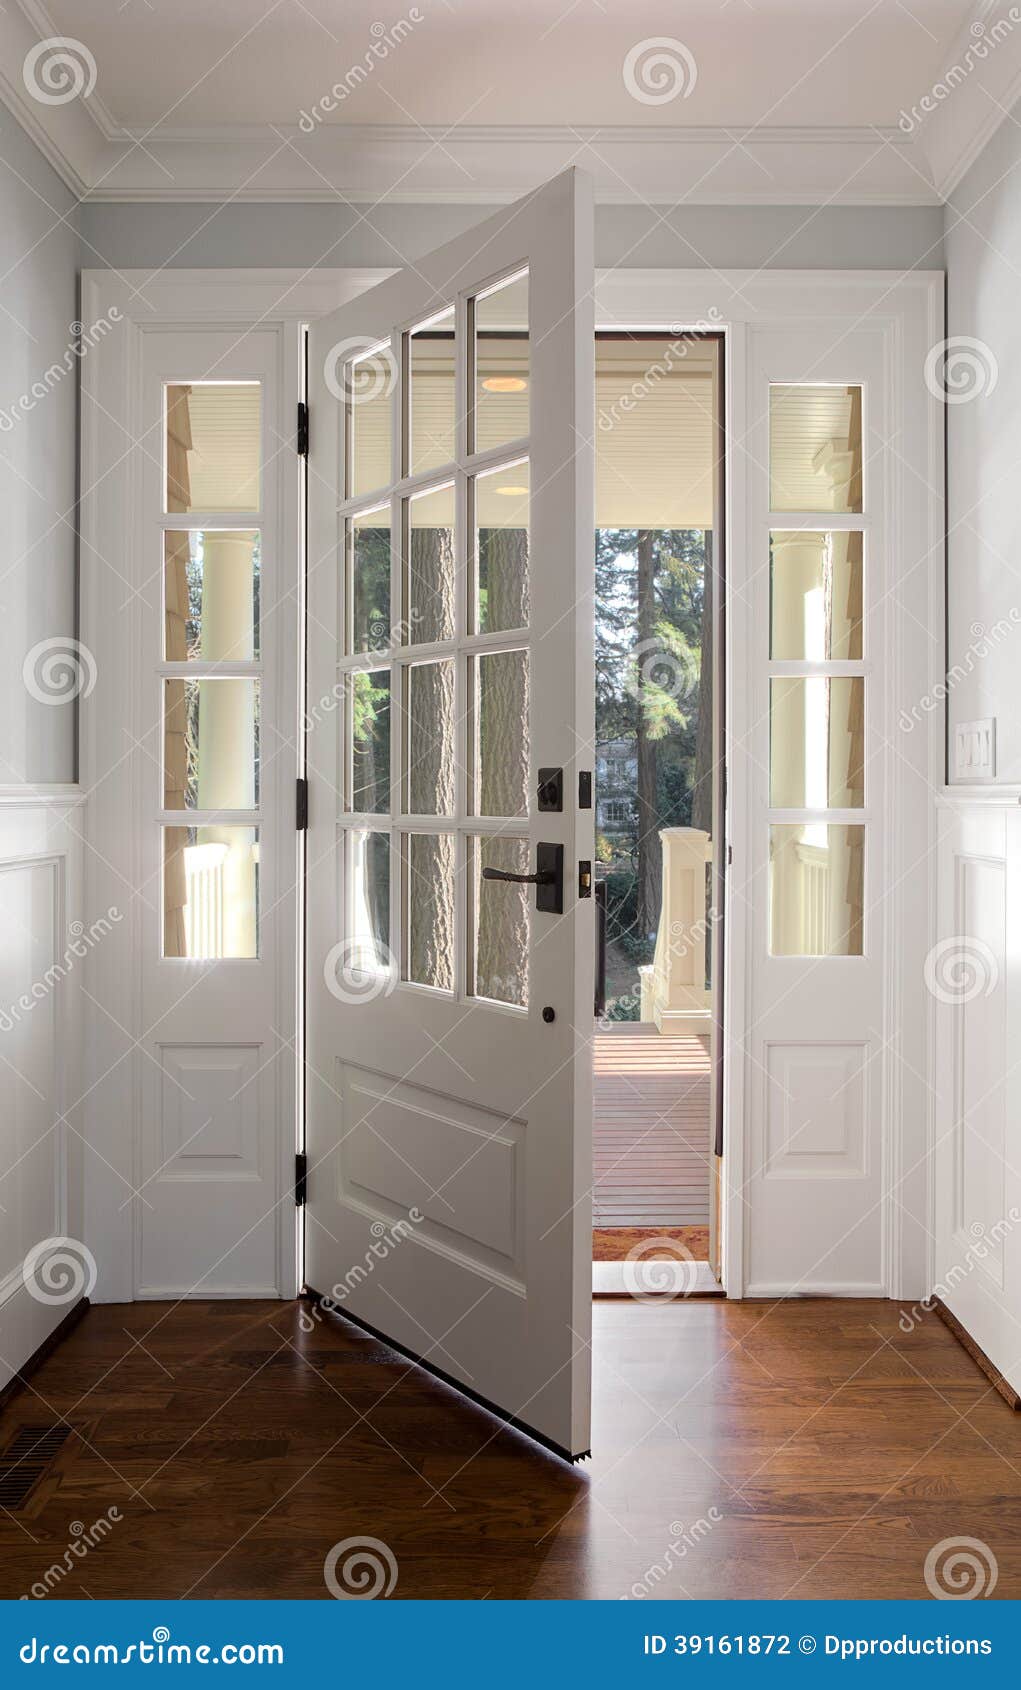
<point x="501" y="550"/>
<point x="816" y="743"/>
<point x="368" y="861"/>
<point x="429" y="585"/>
<point x="369" y="577"/>
<point x="501" y="735"/>
<point x="502" y="376"/>
<point x="429" y="703"/>
<point x="211" y="594"/>
<point x="501" y="921"/>
<point x="429" y="906"/>
<point x="370" y="741"/>
<point x="213" y="446"/>
<point x="815" y="596"/>
<point x="431" y="395"/>
<point x="211" y="744"/>
<point x="210" y="891"/>
<point x="815" y="448"/>
<point x="816" y="890"/>
<point x="365" y="385"/>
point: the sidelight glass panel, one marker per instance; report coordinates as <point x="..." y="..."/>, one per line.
<point x="429" y="909"/>
<point x="365" y="385"/>
<point x="816" y="743"/>
<point x="815" y="596"/>
<point x="429" y="582"/>
<point x="501" y="550"/>
<point x="368" y="575"/>
<point x="816" y="890"/>
<point x="211" y="744"/>
<point x="368" y="868"/>
<point x="212" y="446"/>
<point x="210" y="892"/>
<point x="500" y="717"/>
<point x="431" y="394"/>
<point x="500" y="939"/>
<point x="815" y="448"/>
<point x="429" y="738"/>
<point x="502" y="374"/>
<point x="211" y="594"/>
<point x="370" y="741"/>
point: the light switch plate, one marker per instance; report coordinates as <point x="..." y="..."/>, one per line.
<point x="975" y="750"/>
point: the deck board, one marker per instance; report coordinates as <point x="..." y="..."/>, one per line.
<point x="651" y="1140"/>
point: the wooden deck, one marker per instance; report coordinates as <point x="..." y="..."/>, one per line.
<point x="651" y="1142"/>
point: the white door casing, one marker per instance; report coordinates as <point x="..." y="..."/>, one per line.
<point x="471" y="1117"/>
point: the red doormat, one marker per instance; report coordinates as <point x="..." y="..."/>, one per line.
<point x="615" y="1243"/>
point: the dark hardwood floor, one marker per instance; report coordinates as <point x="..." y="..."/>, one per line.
<point x="824" y="1450"/>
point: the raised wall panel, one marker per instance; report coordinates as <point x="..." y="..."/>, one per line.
<point x="975" y="980"/>
<point x="815" y="1111"/>
<point x="397" y="1144"/>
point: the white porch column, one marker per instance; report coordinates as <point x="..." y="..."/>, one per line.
<point x="227" y="726"/>
<point x="674" y="992"/>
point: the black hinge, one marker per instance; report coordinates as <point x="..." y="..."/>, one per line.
<point x="301" y="804"/>
<point x="300" y="1179"/>
<point x="302" y="440"/>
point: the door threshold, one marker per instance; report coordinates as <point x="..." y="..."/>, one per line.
<point x="649" y="1279"/>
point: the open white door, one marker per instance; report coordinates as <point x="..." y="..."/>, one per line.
<point x="449" y="664"/>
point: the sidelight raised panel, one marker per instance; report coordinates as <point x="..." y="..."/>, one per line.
<point x="210" y="1112"/>
<point x="815" y="1111"/>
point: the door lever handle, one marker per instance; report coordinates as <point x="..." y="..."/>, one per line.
<point x="548" y="878"/>
<point x="541" y="877"/>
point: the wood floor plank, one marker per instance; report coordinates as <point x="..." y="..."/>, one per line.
<point x="651" y="1129"/>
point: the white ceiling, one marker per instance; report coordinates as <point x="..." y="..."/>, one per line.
<point x="775" y="101"/>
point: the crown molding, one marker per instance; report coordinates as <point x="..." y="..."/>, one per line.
<point x="919" y="163"/>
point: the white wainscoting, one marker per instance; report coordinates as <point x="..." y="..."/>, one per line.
<point x="974" y="977"/>
<point x="41" y="933"/>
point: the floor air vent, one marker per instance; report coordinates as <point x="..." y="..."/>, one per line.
<point x="26" y="1458"/>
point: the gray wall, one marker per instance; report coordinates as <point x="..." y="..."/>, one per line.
<point x="689" y="237"/>
<point x="983" y="254"/>
<point x="38" y="453"/>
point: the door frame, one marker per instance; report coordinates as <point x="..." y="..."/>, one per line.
<point x="735" y="303"/>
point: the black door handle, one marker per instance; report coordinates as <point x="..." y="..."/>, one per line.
<point x="544" y="877"/>
<point x="548" y="878"/>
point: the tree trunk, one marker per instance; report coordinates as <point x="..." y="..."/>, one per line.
<point x="502" y="940"/>
<point x="702" y="793"/>
<point x="650" y="863"/>
<point x="430" y="937"/>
